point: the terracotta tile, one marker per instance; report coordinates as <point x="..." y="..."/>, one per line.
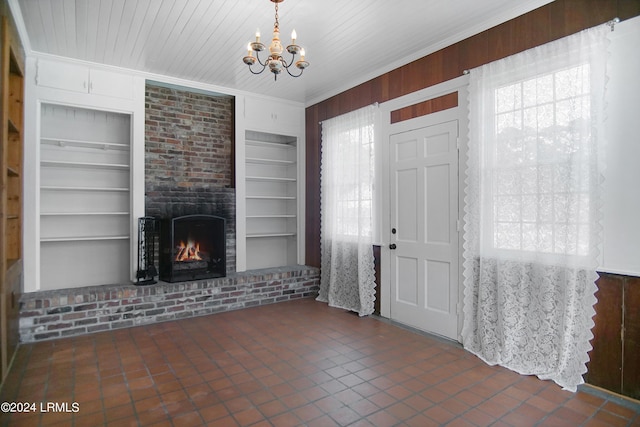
<point x="307" y="412"/>
<point x="610" y="419"/>
<point x="382" y="399"/>
<point x="272" y="408"/>
<point x="261" y="396"/>
<point x="382" y="419"/>
<point x="214" y="412"/>
<point x="422" y="421"/>
<point x="127" y="422"/>
<point x="345" y="416"/>
<point x="119" y="412"/>
<point x="177" y="408"/>
<point x="248" y="416"/>
<point x="228" y="421"/>
<point x="478" y="417"/>
<point x="287" y="420"/>
<point x="621" y="411"/>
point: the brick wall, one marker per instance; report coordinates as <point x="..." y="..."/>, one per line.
<point x="70" y="312"/>
<point x="189" y="157"/>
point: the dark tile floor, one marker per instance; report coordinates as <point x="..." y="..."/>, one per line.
<point x="297" y="363"/>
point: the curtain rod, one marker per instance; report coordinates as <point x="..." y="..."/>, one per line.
<point x="611" y="23"/>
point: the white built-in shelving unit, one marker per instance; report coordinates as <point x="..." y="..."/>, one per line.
<point x="271" y="185"/>
<point x="85" y="196"/>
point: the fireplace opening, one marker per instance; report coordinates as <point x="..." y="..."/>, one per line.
<point x="193" y="247"/>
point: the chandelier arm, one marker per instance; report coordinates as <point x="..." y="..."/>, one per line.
<point x="294" y="75"/>
<point x="258" y="72"/>
<point x="264" y="64"/>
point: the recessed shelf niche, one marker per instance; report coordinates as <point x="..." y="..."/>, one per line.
<point x="271" y="181"/>
<point x="85" y="217"/>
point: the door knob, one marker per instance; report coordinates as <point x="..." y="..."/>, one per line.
<point x="392" y="246"/>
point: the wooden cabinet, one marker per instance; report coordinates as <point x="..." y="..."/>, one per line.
<point x="11" y="161"/>
<point x="84" y="197"/>
<point x="614" y="363"/>
<point x="271" y="200"/>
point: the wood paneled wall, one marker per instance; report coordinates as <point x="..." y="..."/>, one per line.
<point x="550" y="22"/>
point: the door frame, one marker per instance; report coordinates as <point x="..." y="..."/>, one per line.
<point x="460" y="113"/>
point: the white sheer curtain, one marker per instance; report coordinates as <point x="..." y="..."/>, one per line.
<point x="347" y="278"/>
<point x="533" y="207"/>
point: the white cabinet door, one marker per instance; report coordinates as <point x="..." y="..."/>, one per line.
<point x="271" y="115"/>
<point x="77" y="78"/>
<point x="108" y="83"/>
<point x="60" y="75"/>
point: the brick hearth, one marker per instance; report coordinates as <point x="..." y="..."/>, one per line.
<point x="67" y="312"/>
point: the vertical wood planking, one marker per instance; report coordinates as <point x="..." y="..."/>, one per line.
<point x="631" y="355"/>
<point x="604" y="364"/>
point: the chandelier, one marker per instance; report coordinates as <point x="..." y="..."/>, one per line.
<point x="275" y="62"/>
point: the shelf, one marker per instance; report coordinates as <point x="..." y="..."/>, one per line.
<point x="82" y="213"/>
<point x="12" y="171"/>
<point x="64" y="164"/>
<point x="271" y="197"/>
<point x="272" y="216"/>
<point x="261" y="235"/>
<point x="270" y="179"/>
<point x="60" y="142"/>
<point x="81" y="239"/>
<point x="61" y="188"/>
<point x="273" y="162"/>
<point x="269" y="144"/>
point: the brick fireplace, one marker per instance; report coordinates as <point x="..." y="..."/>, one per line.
<point x="189" y="157"/>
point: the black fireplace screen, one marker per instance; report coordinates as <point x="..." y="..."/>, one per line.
<point x="193" y="247"/>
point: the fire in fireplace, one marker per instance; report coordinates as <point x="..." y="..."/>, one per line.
<point x="193" y="247"/>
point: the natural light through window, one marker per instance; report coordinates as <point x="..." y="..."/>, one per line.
<point x="540" y="185"/>
<point x="354" y="191"/>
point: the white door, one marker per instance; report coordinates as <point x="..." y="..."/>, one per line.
<point x="424" y="236"/>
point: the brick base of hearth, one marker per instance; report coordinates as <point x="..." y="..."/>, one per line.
<point x="69" y="312"/>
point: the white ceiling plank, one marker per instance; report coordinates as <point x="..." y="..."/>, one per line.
<point x="132" y="34"/>
<point x="347" y="42"/>
<point x="116" y="18"/>
<point x="123" y="40"/>
<point x="91" y="37"/>
<point x="82" y="16"/>
<point x="143" y="35"/>
<point x="195" y="36"/>
<point x="162" y="25"/>
<point x="69" y="27"/>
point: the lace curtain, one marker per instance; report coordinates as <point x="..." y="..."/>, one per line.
<point x="533" y="207"/>
<point x="347" y="277"/>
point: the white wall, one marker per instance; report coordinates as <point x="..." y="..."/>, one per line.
<point x="621" y="251"/>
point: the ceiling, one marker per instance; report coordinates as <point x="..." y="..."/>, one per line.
<point x="346" y="42"/>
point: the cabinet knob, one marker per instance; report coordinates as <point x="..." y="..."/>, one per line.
<point x="392" y="246"/>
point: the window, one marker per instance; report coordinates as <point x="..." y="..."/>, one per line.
<point x="348" y="176"/>
<point x="354" y="186"/>
<point x="540" y="162"/>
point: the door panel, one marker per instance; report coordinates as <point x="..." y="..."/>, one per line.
<point x="424" y="200"/>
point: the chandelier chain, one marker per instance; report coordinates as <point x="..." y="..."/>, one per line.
<point x="277" y="24"/>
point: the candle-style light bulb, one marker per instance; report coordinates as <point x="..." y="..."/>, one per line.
<point x="258" y="35"/>
<point x="294" y="36"/>
<point x="302" y="54"/>
<point x="249" y="50"/>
